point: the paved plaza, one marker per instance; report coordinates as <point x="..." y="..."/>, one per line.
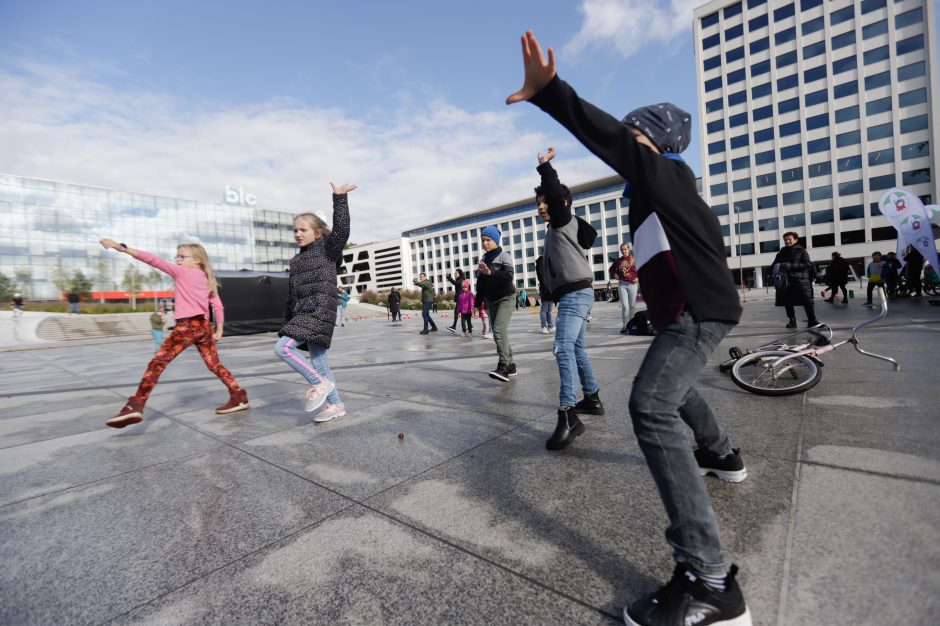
<point x="434" y="500"/>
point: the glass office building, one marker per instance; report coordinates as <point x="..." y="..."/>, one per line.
<point x="810" y="110"/>
<point x="48" y="228"/>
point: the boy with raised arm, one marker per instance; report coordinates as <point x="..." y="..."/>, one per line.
<point x="693" y="304"/>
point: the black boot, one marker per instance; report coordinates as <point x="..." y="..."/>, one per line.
<point x="590" y="405"/>
<point x="569" y="427"/>
<point x="791" y="323"/>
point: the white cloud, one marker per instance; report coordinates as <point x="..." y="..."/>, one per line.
<point x="631" y="25"/>
<point x="417" y="165"/>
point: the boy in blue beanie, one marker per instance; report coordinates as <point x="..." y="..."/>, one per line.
<point x="693" y="304"/>
<point x="494" y="279"/>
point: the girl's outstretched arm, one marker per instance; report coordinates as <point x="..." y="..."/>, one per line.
<point x="120" y="247"/>
<point x="140" y="255"/>
<point x="340" y="234"/>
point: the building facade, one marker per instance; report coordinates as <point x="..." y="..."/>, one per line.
<point x="51" y="229"/>
<point x="810" y="110"/>
<point x="375" y="266"/>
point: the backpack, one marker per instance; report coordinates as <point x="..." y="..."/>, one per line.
<point x="781" y="278"/>
<point x="640" y="325"/>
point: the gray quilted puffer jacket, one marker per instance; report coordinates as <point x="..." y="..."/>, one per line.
<point x="310" y="314"/>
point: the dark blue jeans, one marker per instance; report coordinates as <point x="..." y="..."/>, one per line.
<point x="426" y="315"/>
<point x="662" y="403"/>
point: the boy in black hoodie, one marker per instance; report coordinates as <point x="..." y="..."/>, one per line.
<point x="693" y="304"/>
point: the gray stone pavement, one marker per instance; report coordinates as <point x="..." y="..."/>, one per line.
<point x="264" y="517"/>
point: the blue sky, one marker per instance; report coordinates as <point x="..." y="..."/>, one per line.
<point x="405" y="99"/>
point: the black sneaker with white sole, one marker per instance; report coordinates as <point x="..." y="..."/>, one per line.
<point x="730" y="467"/>
<point x="511" y="369"/>
<point x="501" y="373"/>
<point x="687" y="601"/>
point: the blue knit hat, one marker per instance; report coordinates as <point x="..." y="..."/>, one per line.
<point x="665" y="124"/>
<point x="492" y="232"/>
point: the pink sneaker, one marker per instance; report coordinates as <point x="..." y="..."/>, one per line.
<point x="329" y="412"/>
<point x="317" y="394"/>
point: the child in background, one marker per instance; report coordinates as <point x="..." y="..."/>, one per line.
<point x="311" y="311"/>
<point x="479" y="310"/>
<point x="196" y="291"/>
<point x="875" y="272"/>
<point x="465" y="308"/>
<point x="156" y="327"/>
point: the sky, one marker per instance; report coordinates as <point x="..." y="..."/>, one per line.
<point x="279" y="98"/>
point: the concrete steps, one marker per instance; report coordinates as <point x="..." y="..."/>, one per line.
<point x="61" y="327"/>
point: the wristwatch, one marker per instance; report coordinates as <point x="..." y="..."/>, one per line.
<point x="123" y="246"/>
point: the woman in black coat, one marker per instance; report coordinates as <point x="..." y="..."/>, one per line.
<point x="310" y="314"/>
<point x="394" y="304"/>
<point x="795" y="261"/>
<point x="837" y="277"/>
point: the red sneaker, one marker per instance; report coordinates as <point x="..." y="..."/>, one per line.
<point x="238" y="401"/>
<point x="132" y="413"/>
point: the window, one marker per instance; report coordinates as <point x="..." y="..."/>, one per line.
<point x="764" y="135"/>
<point x="740" y="141"/>
<point x="876" y="54"/>
<point x="719" y="124"/>
<point x="741" y="163"/>
<point x="806" y="5"/>
<point x="755" y="3"/>
<point x="845" y="39"/>
<point x="710" y="20"/>
<point x="794" y="221"/>
<point x="846" y="114"/>
<point x="770" y="246"/>
<point x="907" y="72"/>
<point x="790" y="128"/>
<point x="793" y="197"/>
<point x="852" y="236"/>
<point x="767" y="202"/>
<point x="848" y="164"/>
<point x="760" y="68"/>
<point x="742" y="184"/>
<point x="712" y="63"/>
<point x="717" y="168"/>
<point x="814" y="49"/>
<point x="816" y="97"/>
<point x="850" y="138"/>
<point x="719" y="189"/>
<point x="785" y="59"/>
<point x="757" y="22"/>
<point x="788" y="81"/>
<point x="734" y="55"/>
<point x="714" y="105"/>
<point x="711" y="41"/>
<point x="766" y="180"/>
<point x="874" y="29"/>
<point x="878" y="106"/>
<point x="819" y="169"/>
<point x="850" y="187"/>
<point x="744" y="228"/>
<point x="854" y="212"/>
<point x="815" y="73"/>
<point x="842" y="15"/>
<point x="914" y="150"/>
<point x="845" y="89"/>
<point x="880" y="131"/>
<point x="743" y="206"/>
<point x="735" y="31"/>
<point x="737" y="120"/>
<point x="914" y="16"/>
<point x="844" y="65"/>
<point x="822" y="217"/>
<point x="910" y="44"/>
<point x="735" y="77"/>
<point x="822" y="192"/>
<point x="813" y="26"/>
<point x="916" y="176"/>
<point x="785" y="35"/>
<point x="784" y="12"/>
<point x="763" y="158"/>
<point x="790" y="152"/>
<point x="817" y="145"/>
<point x="734" y="9"/>
<point x="761" y="90"/>
<point x="914" y="123"/>
<point x="877" y="80"/>
<point x="767" y="224"/>
<point x="786" y="106"/>
<point x="737" y="98"/>
<point x="720" y="209"/>
<point x="910" y="98"/>
<point x="877" y="183"/>
<point x="872" y="5"/>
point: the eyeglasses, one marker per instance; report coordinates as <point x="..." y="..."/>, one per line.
<point x="184" y="256"/>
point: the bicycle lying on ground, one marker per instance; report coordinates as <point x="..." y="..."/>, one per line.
<point x="780" y="368"/>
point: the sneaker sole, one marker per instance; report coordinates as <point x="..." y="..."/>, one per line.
<point x="732" y="477"/>
<point x="125" y="420"/>
<point x="744" y="619"/>
<point x="240" y="407"/>
<point x="320" y="419"/>
<point x="311" y="408"/>
<point x="501" y="377"/>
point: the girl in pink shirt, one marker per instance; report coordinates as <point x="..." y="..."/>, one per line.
<point x="465" y="308"/>
<point x="196" y="292"/>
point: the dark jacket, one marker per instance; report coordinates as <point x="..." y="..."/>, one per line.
<point x="499" y="283"/>
<point x="310" y="314"/>
<point x="544" y="293"/>
<point x="677" y="239"/>
<point x="838" y="272"/>
<point x="457" y="282"/>
<point x="394" y="300"/>
<point x="796" y="262"/>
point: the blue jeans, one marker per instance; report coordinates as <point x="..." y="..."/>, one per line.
<point x="316" y="372"/>
<point x="545" y="314"/>
<point x="426" y="315"/>
<point x="574" y="366"/>
<point x="663" y="398"/>
<point x="157" y="337"/>
<point x="627" y="293"/>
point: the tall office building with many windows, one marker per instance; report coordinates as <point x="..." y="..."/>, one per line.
<point x="810" y="110"/>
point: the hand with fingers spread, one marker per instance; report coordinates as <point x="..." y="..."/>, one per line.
<point x="538" y="73"/>
<point x="342" y="189"/>
<point x="548" y="156"/>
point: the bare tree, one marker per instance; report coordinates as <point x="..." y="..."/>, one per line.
<point x="23" y="277"/>
<point x="60" y="278"/>
<point x="102" y="276"/>
<point x="154" y="280"/>
<point x="133" y="281"/>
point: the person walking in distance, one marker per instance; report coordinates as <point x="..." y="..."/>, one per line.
<point x="394" y="304"/>
<point x="427" y="302"/>
<point x="837" y="276"/>
<point x="197" y="292"/>
<point x="693" y="304"/>
<point x="624" y="271"/>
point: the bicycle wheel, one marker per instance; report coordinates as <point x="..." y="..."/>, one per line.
<point x="761" y="374"/>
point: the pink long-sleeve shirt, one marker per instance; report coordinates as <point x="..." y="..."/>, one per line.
<point x="192" y="289"/>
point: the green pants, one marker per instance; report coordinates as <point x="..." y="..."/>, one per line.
<point x="500" y="312"/>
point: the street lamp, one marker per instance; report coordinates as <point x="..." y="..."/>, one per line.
<point x="737" y="228"/>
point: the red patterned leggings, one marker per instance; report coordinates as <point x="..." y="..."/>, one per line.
<point x="188" y="331"/>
